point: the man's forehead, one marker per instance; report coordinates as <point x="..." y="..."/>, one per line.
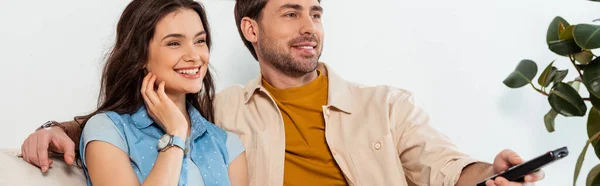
<point x="276" y="4"/>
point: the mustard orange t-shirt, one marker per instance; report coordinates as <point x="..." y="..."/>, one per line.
<point x="308" y="160"/>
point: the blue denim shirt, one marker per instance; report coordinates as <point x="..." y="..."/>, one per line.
<point x="211" y="148"/>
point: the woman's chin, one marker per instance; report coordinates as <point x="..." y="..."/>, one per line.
<point x="193" y="90"/>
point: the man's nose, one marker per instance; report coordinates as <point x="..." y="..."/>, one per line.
<point x="308" y="26"/>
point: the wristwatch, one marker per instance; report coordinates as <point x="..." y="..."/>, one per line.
<point x="49" y="124"/>
<point x="167" y="141"/>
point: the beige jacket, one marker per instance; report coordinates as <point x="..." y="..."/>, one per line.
<point x="377" y="135"/>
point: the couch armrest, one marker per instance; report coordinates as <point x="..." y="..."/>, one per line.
<point x="15" y="171"/>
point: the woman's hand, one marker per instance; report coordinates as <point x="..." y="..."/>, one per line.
<point x="162" y="109"/>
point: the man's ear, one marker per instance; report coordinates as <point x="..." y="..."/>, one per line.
<point x="250" y="29"/>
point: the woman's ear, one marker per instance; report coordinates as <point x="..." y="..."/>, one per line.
<point x="250" y="29"/>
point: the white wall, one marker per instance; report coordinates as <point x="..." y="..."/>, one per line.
<point x="452" y="54"/>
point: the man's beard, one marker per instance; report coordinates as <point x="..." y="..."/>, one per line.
<point x="285" y="62"/>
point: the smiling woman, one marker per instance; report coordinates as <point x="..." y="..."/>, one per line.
<point x="179" y="55"/>
<point x="156" y="86"/>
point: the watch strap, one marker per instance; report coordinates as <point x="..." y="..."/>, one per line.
<point x="49" y="124"/>
<point x="178" y="142"/>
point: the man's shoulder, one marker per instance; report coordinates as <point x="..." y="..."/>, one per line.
<point x="381" y="92"/>
<point x="234" y="90"/>
<point x="228" y="100"/>
<point x="231" y="94"/>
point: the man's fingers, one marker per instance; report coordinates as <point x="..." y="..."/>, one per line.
<point x="512" y="157"/>
<point x="490" y="183"/>
<point x="24" y="149"/>
<point x="68" y="148"/>
<point x="536" y="176"/>
<point x="42" y="154"/>
<point x="500" y="181"/>
<point x="32" y="156"/>
<point x="515" y="160"/>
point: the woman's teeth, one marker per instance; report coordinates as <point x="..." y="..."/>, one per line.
<point x="188" y="71"/>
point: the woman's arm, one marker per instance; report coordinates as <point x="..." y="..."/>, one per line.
<point x="238" y="171"/>
<point x="109" y="165"/>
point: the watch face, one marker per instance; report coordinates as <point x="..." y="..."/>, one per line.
<point x="163" y="141"/>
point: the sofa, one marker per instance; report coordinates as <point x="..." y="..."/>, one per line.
<point x="15" y="171"/>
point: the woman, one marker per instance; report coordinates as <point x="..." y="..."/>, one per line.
<point x="153" y="123"/>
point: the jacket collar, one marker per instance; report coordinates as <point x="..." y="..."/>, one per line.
<point x="339" y="89"/>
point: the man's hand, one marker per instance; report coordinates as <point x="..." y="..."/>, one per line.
<point x="35" y="147"/>
<point x="505" y="160"/>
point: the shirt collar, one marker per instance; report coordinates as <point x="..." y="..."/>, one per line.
<point x="141" y="120"/>
<point x="339" y="89"/>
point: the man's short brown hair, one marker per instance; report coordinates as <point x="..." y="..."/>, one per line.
<point x="253" y="10"/>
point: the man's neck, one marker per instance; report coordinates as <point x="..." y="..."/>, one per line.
<point x="280" y="80"/>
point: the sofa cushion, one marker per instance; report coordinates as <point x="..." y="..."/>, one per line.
<point x="15" y="171"/>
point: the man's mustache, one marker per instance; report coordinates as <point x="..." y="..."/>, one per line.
<point x="305" y="38"/>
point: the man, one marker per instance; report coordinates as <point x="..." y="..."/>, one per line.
<point x="304" y="125"/>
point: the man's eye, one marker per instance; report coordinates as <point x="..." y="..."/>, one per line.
<point x="173" y="44"/>
<point x="290" y="15"/>
<point x="201" y="41"/>
<point x="317" y="16"/>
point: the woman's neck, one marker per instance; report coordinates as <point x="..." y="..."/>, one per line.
<point x="179" y="100"/>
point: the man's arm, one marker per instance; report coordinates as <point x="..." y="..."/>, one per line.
<point x="474" y="173"/>
<point x="60" y="139"/>
<point x="73" y="130"/>
<point x="429" y="158"/>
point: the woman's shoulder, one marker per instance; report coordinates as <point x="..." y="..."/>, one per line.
<point x="98" y="120"/>
<point x="101" y="127"/>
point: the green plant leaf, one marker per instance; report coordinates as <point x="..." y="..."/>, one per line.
<point x="595" y="101"/>
<point x="582" y="157"/>
<point x="566" y="34"/>
<point x="522" y="75"/>
<point x="546" y="77"/>
<point x="575" y="84"/>
<point x="593" y="178"/>
<point x="591" y="77"/>
<point x="565" y="100"/>
<point x="549" y="120"/>
<point x="580" y="162"/>
<point x="587" y="36"/>
<point x="584" y="57"/>
<point x="564" y="47"/>
<point x="560" y="75"/>
<point x="553" y="33"/>
<point x="593" y="127"/>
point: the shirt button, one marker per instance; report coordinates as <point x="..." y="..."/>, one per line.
<point x="327" y="112"/>
<point x="377" y="146"/>
<point x="333" y="152"/>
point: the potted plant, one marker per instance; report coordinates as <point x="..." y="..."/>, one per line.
<point x="574" y="44"/>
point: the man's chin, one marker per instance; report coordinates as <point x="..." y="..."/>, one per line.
<point x="308" y="65"/>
